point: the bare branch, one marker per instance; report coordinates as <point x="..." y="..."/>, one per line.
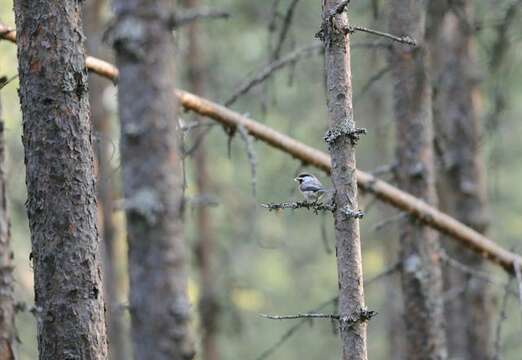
<point x="502" y="317"/>
<point x="188" y="16"/>
<point x="375" y="78"/>
<point x="4" y="80"/>
<point x="316" y="207"/>
<point x="287" y="21"/>
<point x="271" y="68"/>
<point x="518" y="275"/>
<point x="301" y="316"/>
<point x="251" y="154"/>
<point x="401" y="39"/>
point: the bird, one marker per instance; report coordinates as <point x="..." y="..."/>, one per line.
<point x="310" y="187"/>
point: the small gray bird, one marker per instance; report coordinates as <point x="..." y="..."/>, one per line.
<point x="310" y="187"/>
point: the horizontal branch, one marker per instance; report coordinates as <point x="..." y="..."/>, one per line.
<point x="188" y="16"/>
<point x="401" y="39"/>
<point x="385" y="192"/>
<point x="315" y="206"/>
<point x="301" y="316"/>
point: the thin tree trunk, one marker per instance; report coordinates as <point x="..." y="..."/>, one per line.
<point x="462" y="179"/>
<point x="208" y="304"/>
<point x="341" y="143"/>
<point x="7" y="311"/>
<point x="421" y="274"/>
<point x="104" y="151"/>
<point x="152" y="180"/>
<point x="61" y="203"/>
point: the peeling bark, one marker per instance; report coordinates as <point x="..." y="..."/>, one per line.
<point x="7" y="301"/>
<point x="421" y="273"/>
<point x="152" y="180"/>
<point x="61" y="204"/>
<point x="461" y="180"/>
<point x="341" y="143"/>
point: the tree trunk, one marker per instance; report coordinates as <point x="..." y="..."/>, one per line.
<point x="61" y="200"/>
<point x="461" y="179"/>
<point x="104" y="152"/>
<point x="7" y="311"/>
<point x="208" y="304"/>
<point x="421" y="274"/>
<point x="341" y="143"/>
<point x="152" y="180"/>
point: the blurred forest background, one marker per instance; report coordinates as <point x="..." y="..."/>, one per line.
<point x="284" y="262"/>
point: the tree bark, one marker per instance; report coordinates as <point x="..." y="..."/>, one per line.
<point x="208" y="304"/>
<point x="461" y="180"/>
<point x="341" y="143"/>
<point x="421" y="274"/>
<point x="61" y="201"/>
<point x="105" y="185"/>
<point x="7" y="301"/>
<point x="152" y="180"/>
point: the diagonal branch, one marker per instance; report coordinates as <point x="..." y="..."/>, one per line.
<point x="385" y="192"/>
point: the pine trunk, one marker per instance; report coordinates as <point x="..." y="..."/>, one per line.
<point x="342" y="149"/>
<point x="421" y="272"/>
<point x="152" y="180"/>
<point x="61" y="201"/>
<point x="461" y="178"/>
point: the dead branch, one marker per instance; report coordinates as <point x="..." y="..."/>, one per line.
<point x="287" y="21"/>
<point x="401" y="39"/>
<point x="385" y="192"/>
<point x="201" y="13"/>
<point x="251" y="154"/>
<point x="301" y="316"/>
<point x="270" y="69"/>
<point x="315" y="206"/>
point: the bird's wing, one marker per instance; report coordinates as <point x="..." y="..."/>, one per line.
<point x="308" y="186"/>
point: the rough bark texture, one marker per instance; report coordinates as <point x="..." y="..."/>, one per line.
<point x="343" y="175"/>
<point x="461" y="178"/>
<point x="94" y="28"/>
<point x="421" y="274"/>
<point x="61" y="204"/>
<point x="208" y="304"/>
<point x="152" y="180"/>
<point x="7" y="311"/>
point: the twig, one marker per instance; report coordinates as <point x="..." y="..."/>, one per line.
<point x="291" y="331"/>
<point x="518" y="275"/>
<point x="502" y="317"/>
<point x="4" y="80"/>
<point x="271" y="68"/>
<point x="401" y="39"/>
<point x="376" y="77"/>
<point x="201" y="13"/>
<point x="251" y="153"/>
<point x="316" y="207"/>
<point x="383" y="223"/>
<point x="301" y="316"/>
<point x="287" y="21"/>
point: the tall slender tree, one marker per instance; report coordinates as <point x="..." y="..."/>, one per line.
<point x="421" y="274"/>
<point x="461" y="178"/>
<point x="152" y="180"/>
<point x="341" y="139"/>
<point x="61" y="200"/>
<point x="100" y="117"/>
<point x="208" y="304"/>
<point x="7" y="308"/>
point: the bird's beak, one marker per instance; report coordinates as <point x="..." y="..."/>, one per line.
<point x="295" y="179"/>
